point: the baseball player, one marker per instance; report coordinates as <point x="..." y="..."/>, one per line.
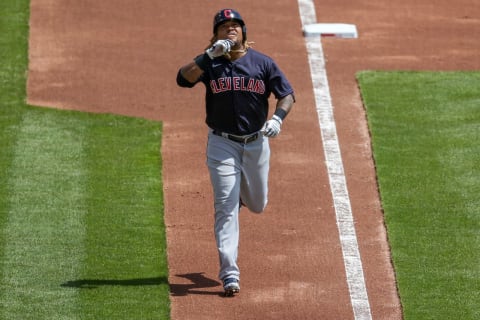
<point x="238" y="82"/>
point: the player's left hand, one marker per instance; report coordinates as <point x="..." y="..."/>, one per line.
<point x="272" y="127"/>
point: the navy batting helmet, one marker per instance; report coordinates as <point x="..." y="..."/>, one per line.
<point x="227" y="15"/>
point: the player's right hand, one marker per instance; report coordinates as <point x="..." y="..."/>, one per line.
<point x="219" y="48"/>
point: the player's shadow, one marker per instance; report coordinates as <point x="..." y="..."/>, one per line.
<point x="95" y="283"/>
<point x="198" y="282"/>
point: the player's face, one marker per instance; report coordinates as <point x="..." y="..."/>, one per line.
<point x="230" y="30"/>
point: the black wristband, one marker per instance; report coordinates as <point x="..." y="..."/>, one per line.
<point x="202" y="61"/>
<point x="279" y="112"/>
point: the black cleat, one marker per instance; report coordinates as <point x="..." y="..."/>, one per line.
<point x="231" y="287"/>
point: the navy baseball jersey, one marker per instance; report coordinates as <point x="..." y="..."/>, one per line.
<point x="237" y="92"/>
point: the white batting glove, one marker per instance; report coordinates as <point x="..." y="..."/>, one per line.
<point x="219" y="48"/>
<point x="272" y="127"/>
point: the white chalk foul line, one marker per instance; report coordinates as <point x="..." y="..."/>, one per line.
<point x="338" y="185"/>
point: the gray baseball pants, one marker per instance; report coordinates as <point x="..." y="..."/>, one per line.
<point x="237" y="171"/>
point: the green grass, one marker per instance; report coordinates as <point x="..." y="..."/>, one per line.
<point x="81" y="205"/>
<point x="425" y="131"/>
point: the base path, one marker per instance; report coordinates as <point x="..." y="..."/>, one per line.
<point x="122" y="57"/>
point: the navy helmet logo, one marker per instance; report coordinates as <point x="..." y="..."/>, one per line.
<point x="228" y="13"/>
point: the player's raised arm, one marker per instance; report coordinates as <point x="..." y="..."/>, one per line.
<point x="193" y="70"/>
<point x="189" y="74"/>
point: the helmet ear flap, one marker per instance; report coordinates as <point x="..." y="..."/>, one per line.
<point x="244" y="32"/>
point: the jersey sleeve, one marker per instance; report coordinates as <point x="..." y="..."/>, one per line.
<point x="278" y="83"/>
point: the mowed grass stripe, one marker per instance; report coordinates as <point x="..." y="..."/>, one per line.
<point x="125" y="274"/>
<point x="13" y="57"/>
<point x="44" y="232"/>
